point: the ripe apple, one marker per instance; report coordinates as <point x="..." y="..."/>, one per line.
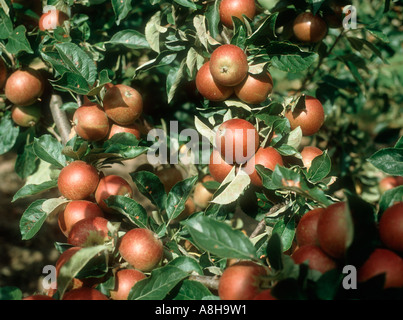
<point x="208" y="87"/>
<point x="228" y="65"/>
<point x="91" y="122"/>
<point x="335" y="229"/>
<point x="390" y="182"/>
<point x="309" y="153"/>
<point x="383" y="261"/>
<point x="255" y="88"/>
<point x="78" y="180"/>
<point x="75" y="211"/>
<point x="116" y="128"/>
<point x="241" y="281"/>
<point x="267" y="157"/>
<point x="27" y="116"/>
<point x="3" y="74"/>
<point x="24" y="86"/>
<point x="236" y="8"/>
<point x="391" y="227"/>
<point x="123" y="104"/>
<point x="142" y="249"/>
<point x="38" y="297"/>
<point x="218" y="168"/>
<point x="309" y="28"/>
<point x="190" y="208"/>
<point x="202" y="196"/>
<point x="237" y="140"/>
<point x="89" y="232"/>
<point x="52" y="19"/>
<point x="306" y="231"/>
<point x="125" y="279"/>
<point x="316" y="257"/>
<point x="111" y="185"/>
<point x="84" y="293"/>
<point x="169" y="176"/>
<point x="310" y="118"/>
<point x="264" y="295"/>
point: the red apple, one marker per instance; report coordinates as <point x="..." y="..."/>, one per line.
<point x="38" y="297"/>
<point x="27" y="116"/>
<point x="24" y="87"/>
<point x="255" y="88"/>
<point x="391" y="227"/>
<point x="125" y="279"/>
<point x="308" y="154"/>
<point x="84" y="293"/>
<point x="91" y="122"/>
<point x="169" y="176"/>
<point x="264" y="295"/>
<point x="228" y="65"/>
<point x="218" y="168"/>
<point x="78" y="180"/>
<point x="306" y="231"/>
<point x="142" y="249"/>
<point x="316" y="258"/>
<point x="202" y="196"/>
<point x="111" y="185"/>
<point x="116" y="128"/>
<point x="309" y="28"/>
<point x="89" y="232"/>
<point x="236" y="8"/>
<point x="52" y="19"/>
<point x="208" y="87"/>
<point x="390" y="182"/>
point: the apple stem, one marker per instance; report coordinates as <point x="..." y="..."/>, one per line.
<point x="262" y="222"/>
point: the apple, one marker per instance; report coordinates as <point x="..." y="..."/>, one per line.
<point x="236" y="8"/>
<point x="75" y="211"/>
<point x="335" y="229"/>
<point x="27" y="116"/>
<point x="169" y="176"/>
<point x="91" y="122"/>
<point x="116" y="128"/>
<point x="3" y="74"/>
<point x="78" y="180"/>
<point x="123" y="104"/>
<point x="309" y="153"/>
<point x="241" y="281"/>
<point x="264" y="295"/>
<point x="84" y="293"/>
<point x="202" y="196"/>
<point x="125" y="279"/>
<point x="142" y="249"/>
<point x="190" y="208"/>
<point x="309" y="28"/>
<point x="24" y="86"/>
<point x="383" y="261"/>
<point x="218" y="168"/>
<point x="208" y="87"/>
<point x="237" y="140"/>
<point x="316" y="258"/>
<point x="38" y="297"/>
<point x="255" y="88"/>
<point x="268" y="157"/>
<point x="391" y="227"/>
<point x="111" y="185"/>
<point x="52" y="19"/>
<point x="310" y="118"/>
<point x="228" y="65"/>
<point x="89" y="232"/>
<point x="306" y="231"/>
<point x="390" y="182"/>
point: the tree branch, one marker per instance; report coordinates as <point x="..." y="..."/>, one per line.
<point x="262" y="222"/>
<point x="211" y="282"/>
<point x="60" y="117"/>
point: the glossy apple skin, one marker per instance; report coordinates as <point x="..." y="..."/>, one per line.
<point x="335" y="230"/>
<point x="391" y="227"/>
<point x="255" y="89"/>
<point x="267" y="157"/>
<point x="383" y="261"/>
<point x="123" y="104"/>
<point x="78" y="180"/>
<point x="236" y="8"/>
<point x="142" y="249"/>
<point x="208" y="87"/>
<point x="125" y="279"/>
<point x="309" y="28"/>
<point x="52" y="19"/>
<point x="116" y="128"/>
<point x="390" y="182"/>
<point x="306" y="231"/>
<point x="317" y="259"/>
<point x="309" y="153"/>
<point x="169" y="176"/>
<point x="228" y="65"/>
<point x="237" y="140"/>
<point x="91" y="122"/>
<point x="27" y="116"/>
<point x="111" y="185"/>
<point x="310" y="119"/>
<point x="89" y="232"/>
<point x="75" y="211"/>
<point x="84" y="293"/>
<point x="218" y="168"/>
<point x="24" y="87"/>
<point x="265" y="295"/>
<point x="241" y="281"/>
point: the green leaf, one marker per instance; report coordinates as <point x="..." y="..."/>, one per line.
<point x="49" y="149"/>
<point x="286" y="231"/>
<point x="8" y="134"/>
<point x="234" y="189"/>
<point x="389" y="198"/>
<point x="174" y="78"/>
<point x="18" y="42"/>
<point x="131" y="39"/>
<point x="219" y="238"/>
<point x="6" y="25"/>
<point x="122" y="9"/>
<point x="191" y="290"/>
<point x="152" y="31"/>
<point x="389" y="160"/>
<point x="267" y="29"/>
<point x="26" y="162"/>
<point x="158" y="285"/>
<point x="212" y="15"/>
<point x="275" y="251"/>
<point x="187" y="264"/>
<point x="320" y="168"/>
<point x="327" y="286"/>
<point x="178" y="195"/>
<point x="32" y="219"/>
<point x="33" y="189"/>
<point x="10" y="293"/>
<point x="150" y="186"/>
<point x="134" y="211"/>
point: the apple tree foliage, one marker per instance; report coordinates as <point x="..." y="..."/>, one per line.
<point x="157" y="46"/>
